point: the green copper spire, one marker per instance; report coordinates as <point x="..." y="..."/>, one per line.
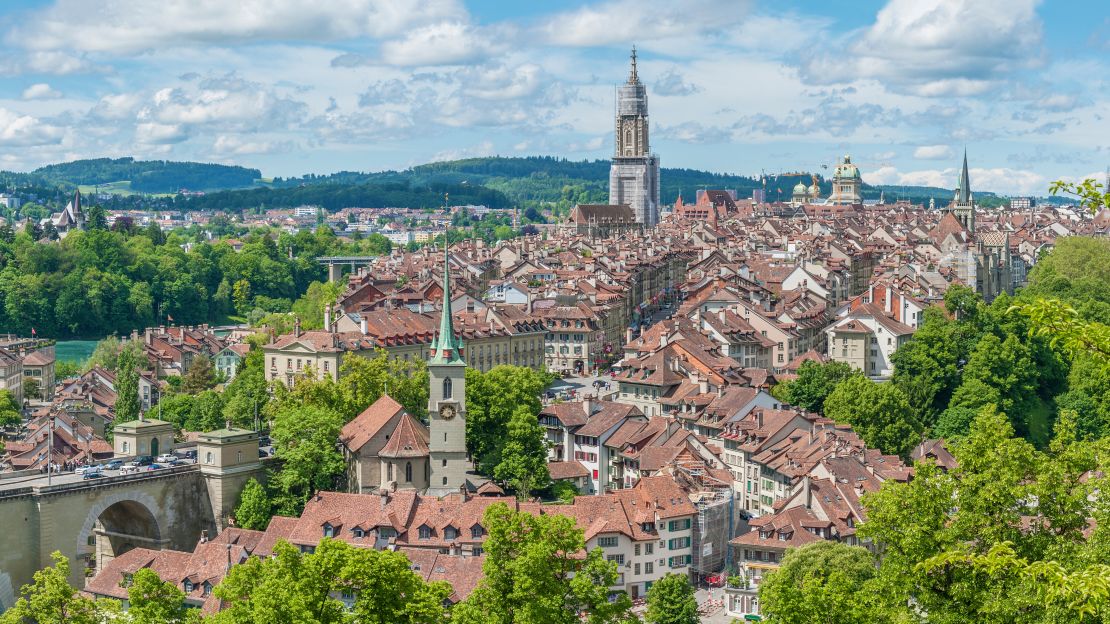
<point x="447" y="348"/>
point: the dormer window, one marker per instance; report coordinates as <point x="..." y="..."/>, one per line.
<point x="188" y="586"/>
<point x="206" y="589"/>
<point x="359" y="533"/>
<point x="329" y="530"/>
<point x="477" y="531"/>
<point x="425" y="532"/>
<point x="450" y="533"/>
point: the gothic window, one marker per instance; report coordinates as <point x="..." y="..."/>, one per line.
<point x="447" y="388"/>
<point x="389" y="472"/>
<point x="408" y="471"/>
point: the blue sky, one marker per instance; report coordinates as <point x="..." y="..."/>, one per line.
<point x="292" y="86"/>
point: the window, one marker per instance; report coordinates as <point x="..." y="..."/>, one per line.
<point x="678" y="525"/>
<point x="450" y="533"/>
<point x="389" y="472"/>
<point x="408" y="472"/>
<point x="477" y="531"/>
<point x="325" y="366"/>
<point x="188" y="586"/>
<point x="239" y="457"/>
<point x="618" y="558"/>
<point x="636" y="550"/>
<point x="359" y="533"/>
<point x="649" y="549"/>
<point x="607" y="542"/>
<point x="126" y="447"/>
<point x="425" y="532"/>
<point x="649" y="567"/>
<point x="678" y="543"/>
<point x="447" y="388"/>
<point x="208" y="458"/>
<point x="478" y="551"/>
<point x="206" y="589"/>
<point x="636" y="569"/>
<point x="329" y="530"/>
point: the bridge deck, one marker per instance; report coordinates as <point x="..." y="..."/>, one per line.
<point x="38" y="483"/>
<point x="346" y="259"/>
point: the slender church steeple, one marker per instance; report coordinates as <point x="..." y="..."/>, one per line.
<point x="634" y="175"/>
<point x="963" y="204"/>
<point x="447" y="348"/>
<point x="633" y="77"/>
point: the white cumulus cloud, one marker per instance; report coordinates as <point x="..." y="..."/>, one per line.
<point x="41" y="91"/>
<point x="17" y="130"/>
<point x="932" y="152"/>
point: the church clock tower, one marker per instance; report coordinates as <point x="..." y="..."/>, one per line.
<point x="447" y="401"/>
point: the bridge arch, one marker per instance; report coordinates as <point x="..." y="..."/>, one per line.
<point x="119" y="521"/>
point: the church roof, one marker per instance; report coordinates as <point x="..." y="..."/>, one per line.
<point x="409" y="439"/>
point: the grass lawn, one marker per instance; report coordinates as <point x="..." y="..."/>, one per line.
<point x="120" y="187"/>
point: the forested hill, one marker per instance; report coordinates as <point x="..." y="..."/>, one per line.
<point x="151" y="176"/>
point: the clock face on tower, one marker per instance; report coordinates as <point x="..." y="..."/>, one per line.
<point x="447" y="412"/>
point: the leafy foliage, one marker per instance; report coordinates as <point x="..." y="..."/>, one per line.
<point x="523" y="462"/>
<point x="814" y="383"/>
<point x="534" y="573"/>
<point x="671" y="601"/>
<point x="151" y="176"/>
<point x="492" y="398"/>
<point x="254" y="510"/>
<point x="821" y="582"/>
<point x="305" y="441"/>
<point x="879" y="412"/>
<point x="295" y="587"/>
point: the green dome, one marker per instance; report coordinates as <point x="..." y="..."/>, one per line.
<point x="800" y="188"/>
<point x="846" y="169"/>
<point x="813" y="190"/>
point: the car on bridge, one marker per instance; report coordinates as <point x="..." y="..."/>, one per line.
<point x="129" y="468"/>
<point x="80" y="470"/>
<point x="166" y="458"/>
<point x="92" y="474"/>
<point x="115" y="464"/>
<point x="139" y="462"/>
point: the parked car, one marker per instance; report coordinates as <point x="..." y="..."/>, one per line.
<point x="166" y="458"/>
<point x="263" y="453"/>
<point x="192" y="454"/>
<point x="144" y="460"/>
<point x="86" y="469"/>
<point x="155" y="467"/>
<point x="129" y="468"/>
<point x="92" y="474"/>
<point x="115" y="464"/>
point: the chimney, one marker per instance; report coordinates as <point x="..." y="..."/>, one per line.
<point x="204" y="537"/>
<point x="662" y="340"/>
<point x="703" y="386"/>
<point x="327" y="317"/>
<point x="808" y="491"/>
<point x="297" y="327"/>
<point x="384" y="493"/>
<point x="364" y="324"/>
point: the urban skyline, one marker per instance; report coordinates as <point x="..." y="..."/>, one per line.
<point x="735" y="86"/>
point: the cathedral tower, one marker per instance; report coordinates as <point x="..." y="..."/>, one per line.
<point x="963" y="204"/>
<point x="634" y="175"/>
<point x="447" y="400"/>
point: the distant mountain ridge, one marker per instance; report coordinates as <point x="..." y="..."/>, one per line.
<point x="494" y="181"/>
<point x="151" y="176"/>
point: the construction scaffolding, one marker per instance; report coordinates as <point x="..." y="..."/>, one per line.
<point x="715" y="521"/>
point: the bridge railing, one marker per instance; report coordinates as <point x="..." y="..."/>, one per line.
<point x="125" y="478"/>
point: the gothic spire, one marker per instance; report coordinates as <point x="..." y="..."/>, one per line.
<point x="965" y="183"/>
<point x="447" y="348"/>
<point x="633" y="78"/>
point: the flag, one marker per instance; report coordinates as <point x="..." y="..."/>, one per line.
<point x="169" y="318"/>
<point x="33" y="331"/>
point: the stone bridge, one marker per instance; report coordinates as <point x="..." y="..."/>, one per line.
<point x="92" y="521"/>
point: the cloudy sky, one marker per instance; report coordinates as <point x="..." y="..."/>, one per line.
<point x="297" y="86"/>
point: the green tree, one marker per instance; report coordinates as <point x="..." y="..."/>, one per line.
<point x="524" y="455"/>
<point x="927" y="367"/>
<point x="815" y="382"/>
<point x="671" y="601"/>
<point x="32" y="388"/>
<point x="247" y="396"/>
<point x="305" y="442"/>
<point x="241" y="296"/>
<point x="150" y="600"/>
<point x="527" y="575"/>
<point x="200" y="376"/>
<point x="879" y="412"/>
<point x="254" y="510"/>
<point x="491" y="400"/>
<point x="310" y="307"/>
<point x="50" y="599"/>
<point x="1005" y="367"/>
<point x="293" y="587"/>
<point x="127" y="387"/>
<point x="820" y="582"/>
<point x="10" y="415"/>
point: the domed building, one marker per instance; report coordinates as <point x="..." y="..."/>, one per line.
<point x="800" y="195"/>
<point x="846" y="184"/>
